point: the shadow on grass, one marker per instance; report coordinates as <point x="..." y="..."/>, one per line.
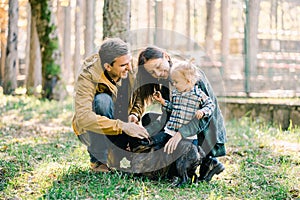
<point x="83" y="184"/>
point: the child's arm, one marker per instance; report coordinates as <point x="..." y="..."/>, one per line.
<point x="158" y="97"/>
<point x="167" y="105"/>
<point x="207" y="107"/>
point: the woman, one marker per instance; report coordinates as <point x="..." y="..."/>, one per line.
<point x="153" y="72"/>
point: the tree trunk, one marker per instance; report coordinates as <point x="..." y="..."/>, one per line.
<point x="209" y="40"/>
<point x="254" y="8"/>
<point x="188" y="25"/>
<point x="34" y="75"/>
<point x="159" y="34"/>
<point x="3" y="54"/>
<point x="78" y="24"/>
<point x="89" y="27"/>
<point x="273" y="15"/>
<point x="116" y="19"/>
<point x="48" y="37"/>
<point x="174" y="22"/>
<point x="225" y="30"/>
<point x="67" y="44"/>
<point x="149" y="8"/>
<point x="11" y="64"/>
<point x="251" y="43"/>
<point x="28" y="39"/>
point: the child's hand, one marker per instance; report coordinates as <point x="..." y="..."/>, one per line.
<point x="199" y="114"/>
<point x="157" y="96"/>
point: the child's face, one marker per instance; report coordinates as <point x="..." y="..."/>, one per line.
<point x="180" y="82"/>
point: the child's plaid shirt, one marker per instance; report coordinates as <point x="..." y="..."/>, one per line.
<point x="184" y="106"/>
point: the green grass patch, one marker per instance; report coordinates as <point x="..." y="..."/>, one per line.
<point x="41" y="158"/>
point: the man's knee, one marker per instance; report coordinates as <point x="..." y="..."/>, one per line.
<point x="103" y="105"/>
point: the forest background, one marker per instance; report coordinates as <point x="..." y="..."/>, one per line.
<point x="245" y="47"/>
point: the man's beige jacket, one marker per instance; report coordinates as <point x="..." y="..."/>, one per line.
<point x="87" y="85"/>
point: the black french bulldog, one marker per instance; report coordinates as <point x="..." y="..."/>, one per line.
<point x="187" y="158"/>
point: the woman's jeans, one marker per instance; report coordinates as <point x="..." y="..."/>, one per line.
<point x="99" y="144"/>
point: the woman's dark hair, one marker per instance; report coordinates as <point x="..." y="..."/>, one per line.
<point x="146" y="84"/>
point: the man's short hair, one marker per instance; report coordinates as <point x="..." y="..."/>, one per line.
<point x="111" y="49"/>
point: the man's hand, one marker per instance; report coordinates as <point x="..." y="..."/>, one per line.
<point x="172" y="143"/>
<point x="133" y="118"/>
<point x="135" y="130"/>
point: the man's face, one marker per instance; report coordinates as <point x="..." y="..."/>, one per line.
<point x="120" y="67"/>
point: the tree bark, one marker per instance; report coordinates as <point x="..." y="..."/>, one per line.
<point x="42" y="11"/>
<point x="78" y="24"/>
<point x="67" y="44"/>
<point x="159" y="15"/>
<point x="188" y="25"/>
<point x="225" y="30"/>
<point x="3" y="54"/>
<point x="149" y="6"/>
<point x="209" y="39"/>
<point x="174" y="22"/>
<point x="11" y="64"/>
<point x="34" y="75"/>
<point x="89" y="27"/>
<point x="116" y="19"/>
<point x="254" y="8"/>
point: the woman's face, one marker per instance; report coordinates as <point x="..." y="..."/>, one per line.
<point x="158" y="68"/>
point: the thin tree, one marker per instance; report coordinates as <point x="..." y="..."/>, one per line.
<point x="67" y="70"/>
<point x="116" y="19"/>
<point x="174" y="23"/>
<point x="3" y="25"/>
<point x="225" y="30"/>
<point x="89" y="27"/>
<point x="34" y="74"/>
<point x="209" y="33"/>
<point x="251" y="41"/>
<point x="11" y="64"/>
<point x="78" y="24"/>
<point x="254" y="8"/>
<point x="188" y="25"/>
<point x="148" y="21"/>
<point x="42" y="11"/>
<point x="159" y="16"/>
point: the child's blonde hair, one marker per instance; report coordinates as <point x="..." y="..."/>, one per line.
<point x="187" y="69"/>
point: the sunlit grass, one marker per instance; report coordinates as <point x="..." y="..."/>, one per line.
<point x="40" y="158"/>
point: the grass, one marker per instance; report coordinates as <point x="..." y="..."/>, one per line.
<point x="41" y="158"/>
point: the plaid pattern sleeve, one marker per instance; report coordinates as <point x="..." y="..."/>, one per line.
<point x="207" y="105"/>
<point x="168" y="106"/>
<point x="185" y="105"/>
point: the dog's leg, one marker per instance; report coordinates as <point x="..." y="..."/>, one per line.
<point x="186" y="165"/>
<point x="181" y="165"/>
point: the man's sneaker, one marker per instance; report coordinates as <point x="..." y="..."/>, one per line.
<point x="99" y="167"/>
<point x="209" y="168"/>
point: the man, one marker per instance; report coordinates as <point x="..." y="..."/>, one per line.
<point x="102" y="102"/>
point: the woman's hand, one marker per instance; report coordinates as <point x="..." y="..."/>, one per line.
<point x="158" y="97"/>
<point x="199" y="114"/>
<point x="172" y="143"/>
